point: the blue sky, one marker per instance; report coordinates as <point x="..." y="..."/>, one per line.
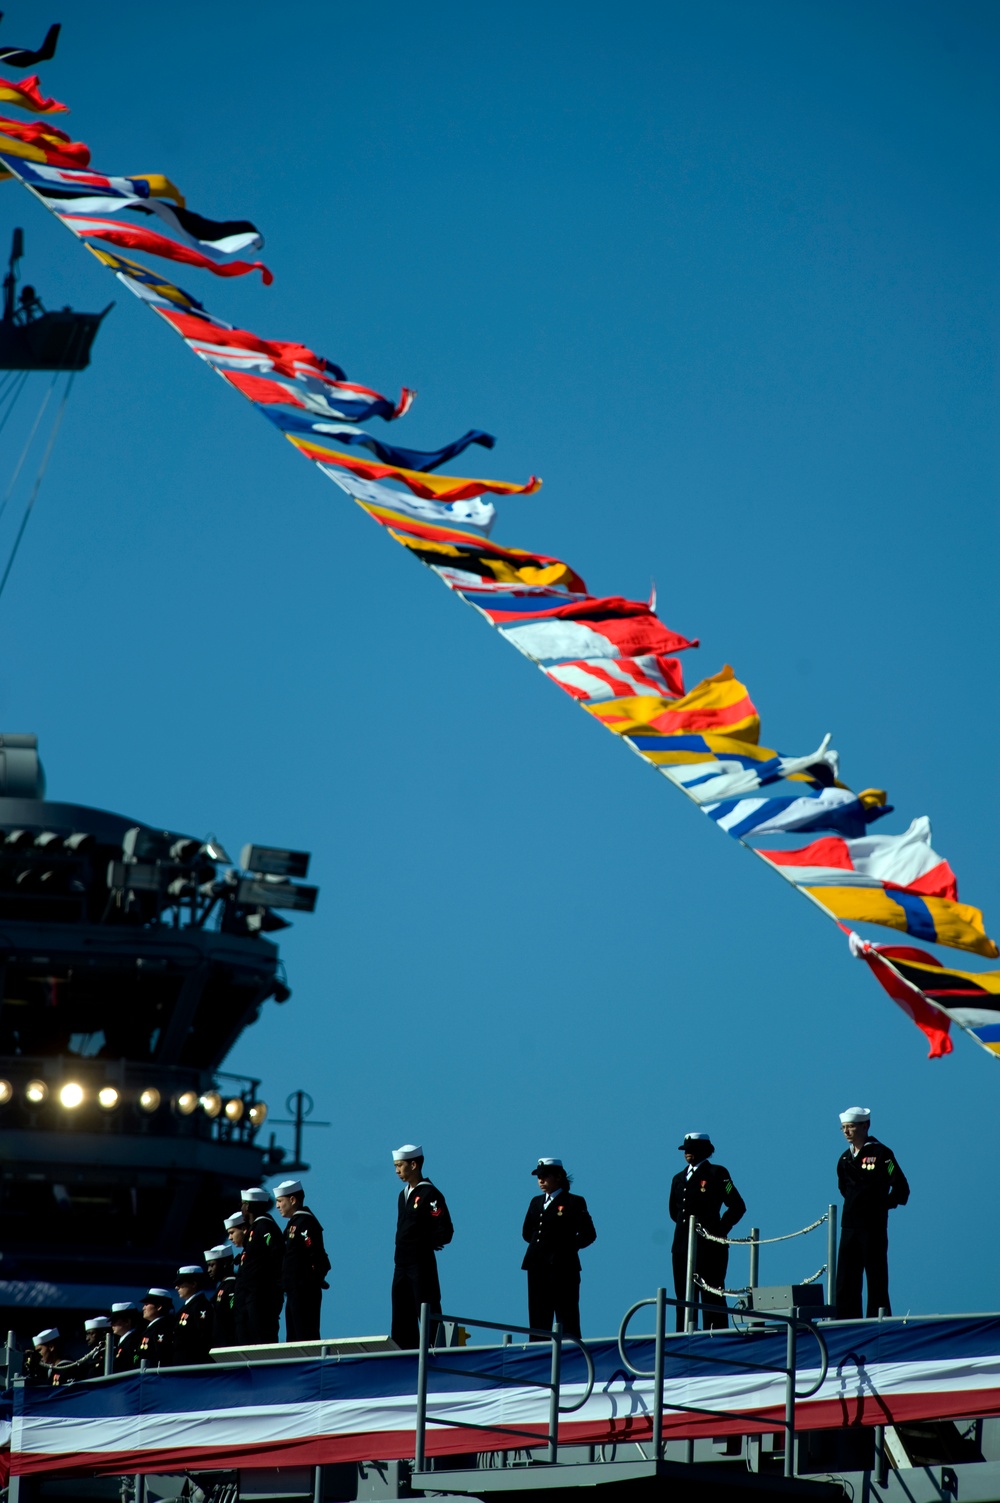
<point x="724" y="276"/>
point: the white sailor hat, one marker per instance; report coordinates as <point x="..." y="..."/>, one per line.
<point x="255" y="1197"/>
<point x="289" y="1187"/>
<point x="220" y="1251"/>
<point x="44" y="1337"/>
<point x="237" y="1219"/>
<point x="157" y="1296"/>
<point x="408" y="1151"/>
<point x="97" y="1323"/>
<point x="123" y="1307"/>
<point x="544" y="1165"/>
<point x="694" y="1140"/>
<point x="856" y="1114"/>
<point x="189" y="1271"/>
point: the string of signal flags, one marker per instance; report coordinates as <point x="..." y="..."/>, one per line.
<point x="613" y="656"/>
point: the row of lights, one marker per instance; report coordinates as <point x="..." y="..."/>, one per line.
<point x="72" y="1095"/>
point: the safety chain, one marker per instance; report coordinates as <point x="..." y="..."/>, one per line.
<point x="760" y="1241"/>
<point x="710" y="1289"/>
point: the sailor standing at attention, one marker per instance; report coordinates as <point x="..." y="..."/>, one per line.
<point x="701" y="1190"/>
<point x="236" y="1232"/>
<point x="305" y="1264"/>
<point x="872" y="1185"/>
<point x="156" y="1345"/>
<point x="258" y="1284"/>
<point x="193" y="1321"/>
<point x="555" y="1228"/>
<point x="423" y="1227"/>
<point x="222" y="1293"/>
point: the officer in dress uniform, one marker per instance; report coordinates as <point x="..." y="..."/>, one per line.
<point x="156" y="1345"/>
<point x="872" y="1185"/>
<point x="236" y="1230"/>
<point x="221" y="1275"/>
<point x="701" y="1190"/>
<point x="305" y="1264"/>
<point x="555" y="1228"/>
<point x="423" y="1227"/>
<point x="260" y="1269"/>
<point x="193" y="1321"/>
<point x="126" y="1326"/>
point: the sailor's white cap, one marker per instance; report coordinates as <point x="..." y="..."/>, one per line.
<point x="123" y="1307"/>
<point x="190" y="1271"/>
<point x="220" y="1251"/>
<point x="49" y="1334"/>
<point x="544" y="1164"/>
<point x="289" y="1187"/>
<point x="408" y="1151"/>
<point x="159" y="1294"/>
<point x="856" y="1114"/>
<point x="97" y="1323"/>
<point x="256" y="1197"/>
<point x="237" y="1219"/>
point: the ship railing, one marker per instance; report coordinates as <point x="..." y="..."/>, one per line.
<point x="428" y="1362"/>
<point x="794" y="1325"/>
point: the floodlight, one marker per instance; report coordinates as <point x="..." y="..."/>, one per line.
<point x="6" y="1092"/>
<point x="47" y="840"/>
<point x="254" y="892"/>
<point x="269" y="861"/>
<point x="149" y="1099"/>
<point x="186" y="1103"/>
<point x="71" y="1095"/>
<point x="211" y="1103"/>
<point x="215" y="851"/>
<point x="258" y="1113"/>
<point x="108" y="1097"/>
<point x="80" y="840"/>
<point x="185" y="849"/>
<point x="234" y="1109"/>
<point x="36" y="1091"/>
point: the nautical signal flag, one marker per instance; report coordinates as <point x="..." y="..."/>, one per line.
<point x="970" y="999"/>
<point x="936" y="919"/>
<point x="834" y="809"/>
<point x="493" y="567"/>
<point x="39" y="141"/>
<point x="438" y="521"/>
<point x="215" y="342"/>
<point x="720" y="704"/>
<point x="595" y="627"/>
<point x="321" y="395"/>
<point x="906" y="860"/>
<point x="25" y="94"/>
<point x="135" y="237"/>
<point x="612" y="678"/>
<point x="439" y="487"/>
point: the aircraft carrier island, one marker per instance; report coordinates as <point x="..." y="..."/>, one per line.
<point x="132" y="960"/>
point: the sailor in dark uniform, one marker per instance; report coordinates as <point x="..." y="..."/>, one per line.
<point x="126" y="1326"/>
<point x="91" y="1364"/>
<point x="41" y="1362"/>
<point x="236" y="1231"/>
<point x="259" y="1282"/>
<point x="156" y="1345"/>
<point x="701" y="1190"/>
<point x="305" y="1264"/>
<point x="193" y="1321"/>
<point x="872" y="1185"/>
<point x="423" y="1227"/>
<point x="555" y="1228"/>
<point x="222" y="1279"/>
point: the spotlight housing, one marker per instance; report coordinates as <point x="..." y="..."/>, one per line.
<point x="6" y="1092"/>
<point x="258" y="1113"/>
<point x="234" y="1109"/>
<point x="71" y="1095"/>
<point x="149" y="1099"/>
<point x="36" y="1092"/>
<point x="186" y="1103"/>
<point x="211" y="1103"/>
<point x="108" y="1097"/>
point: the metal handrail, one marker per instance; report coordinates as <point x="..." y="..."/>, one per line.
<point x="792" y="1323"/>
<point x="556" y="1336"/>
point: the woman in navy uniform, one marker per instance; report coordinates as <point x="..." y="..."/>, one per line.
<point x="423" y="1227"/>
<point x="701" y="1190"/>
<point x="556" y="1227"/>
<point x="156" y="1345"/>
<point x="193" y="1321"/>
<point x="258" y="1284"/>
<point x="872" y="1185"/>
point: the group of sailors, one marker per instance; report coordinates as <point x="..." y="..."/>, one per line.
<point x="233" y="1298"/>
<point x="236" y="1298"/>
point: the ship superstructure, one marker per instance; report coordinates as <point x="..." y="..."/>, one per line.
<point x="132" y="960"/>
